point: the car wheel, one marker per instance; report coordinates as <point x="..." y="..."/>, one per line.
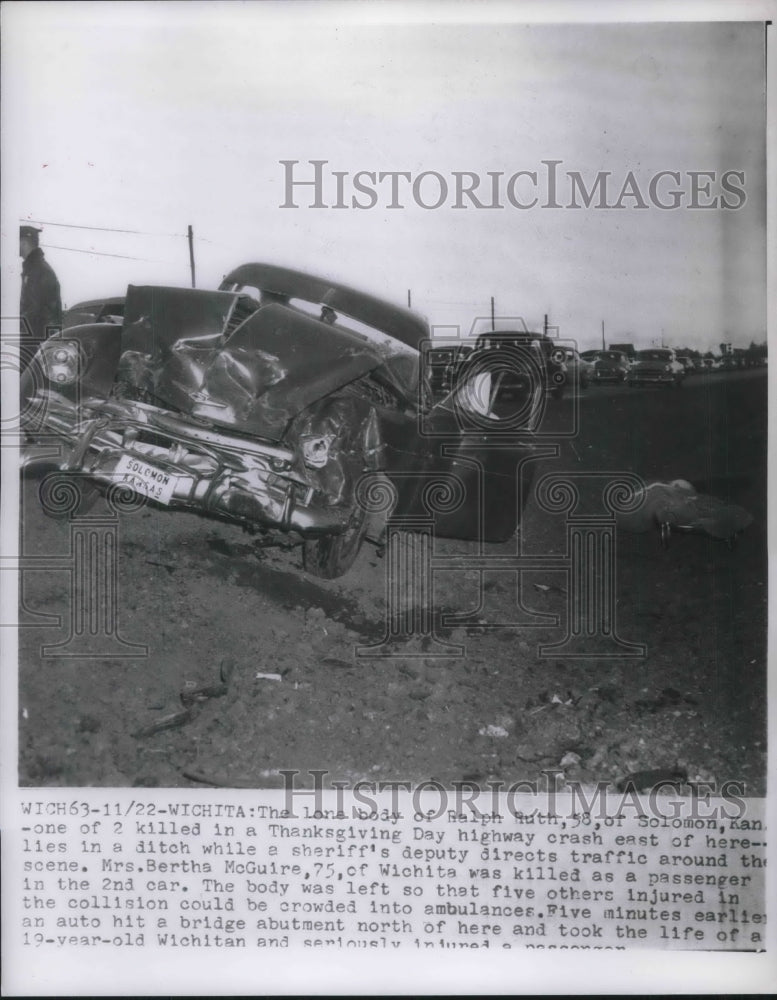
<point x="332" y="555"/>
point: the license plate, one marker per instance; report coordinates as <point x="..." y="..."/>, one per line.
<point x="145" y="479"/>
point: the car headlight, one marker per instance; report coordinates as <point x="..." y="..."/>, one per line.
<point x="315" y="449"/>
<point x="61" y="361"/>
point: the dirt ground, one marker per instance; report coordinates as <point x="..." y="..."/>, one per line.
<point x="251" y="664"/>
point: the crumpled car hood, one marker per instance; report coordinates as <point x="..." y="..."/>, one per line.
<point x="195" y="351"/>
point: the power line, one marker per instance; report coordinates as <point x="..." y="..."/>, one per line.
<point x="97" y="253"/>
<point x="67" y="225"/>
<point x="100" y="229"/>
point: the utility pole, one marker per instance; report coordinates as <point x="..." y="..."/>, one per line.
<point x="409" y="303"/>
<point x="545" y="326"/>
<point x="493" y="324"/>
<point x="191" y="254"/>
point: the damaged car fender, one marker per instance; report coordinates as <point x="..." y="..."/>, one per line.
<point x="74" y="363"/>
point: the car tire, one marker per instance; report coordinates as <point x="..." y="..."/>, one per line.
<point x="333" y="555"/>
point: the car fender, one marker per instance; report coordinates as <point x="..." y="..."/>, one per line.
<point x="99" y="347"/>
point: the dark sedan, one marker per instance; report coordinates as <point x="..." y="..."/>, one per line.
<point x="610" y="366"/>
<point x="657" y="366"/>
<point x="281" y="402"/>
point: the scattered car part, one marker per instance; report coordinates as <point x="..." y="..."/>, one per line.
<point x="192" y="699"/>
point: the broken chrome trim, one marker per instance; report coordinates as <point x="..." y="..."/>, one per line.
<point x="244" y="480"/>
<point x="153" y="417"/>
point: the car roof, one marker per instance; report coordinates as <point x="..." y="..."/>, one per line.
<point x="512" y="334"/>
<point x="399" y="323"/>
<point x="513" y="337"/>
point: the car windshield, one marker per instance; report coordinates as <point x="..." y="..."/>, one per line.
<point x="386" y="344"/>
<point x="654" y="355"/>
<point x="609" y="356"/>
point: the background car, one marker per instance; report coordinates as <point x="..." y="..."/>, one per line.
<point x="656" y="366"/>
<point x="579" y="368"/>
<point x="108" y="310"/>
<point x="521" y="365"/>
<point x="279" y="402"/>
<point x="626" y="349"/>
<point x="690" y="366"/>
<point x="443" y="364"/>
<point x="610" y="366"/>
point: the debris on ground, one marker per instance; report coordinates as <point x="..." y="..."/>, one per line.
<point x="191" y="698"/>
<point x="495" y="732"/>
<point x="570" y="760"/>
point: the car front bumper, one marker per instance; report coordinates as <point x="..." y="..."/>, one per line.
<point x="164" y="457"/>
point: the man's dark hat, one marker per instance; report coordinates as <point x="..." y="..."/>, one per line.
<point x="31" y="232"/>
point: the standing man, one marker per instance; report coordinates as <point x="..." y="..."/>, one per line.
<point x="40" y="307"/>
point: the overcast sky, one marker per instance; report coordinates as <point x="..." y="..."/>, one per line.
<point x="153" y="117"/>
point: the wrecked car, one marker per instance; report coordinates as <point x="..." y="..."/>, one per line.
<point x="276" y="402"/>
